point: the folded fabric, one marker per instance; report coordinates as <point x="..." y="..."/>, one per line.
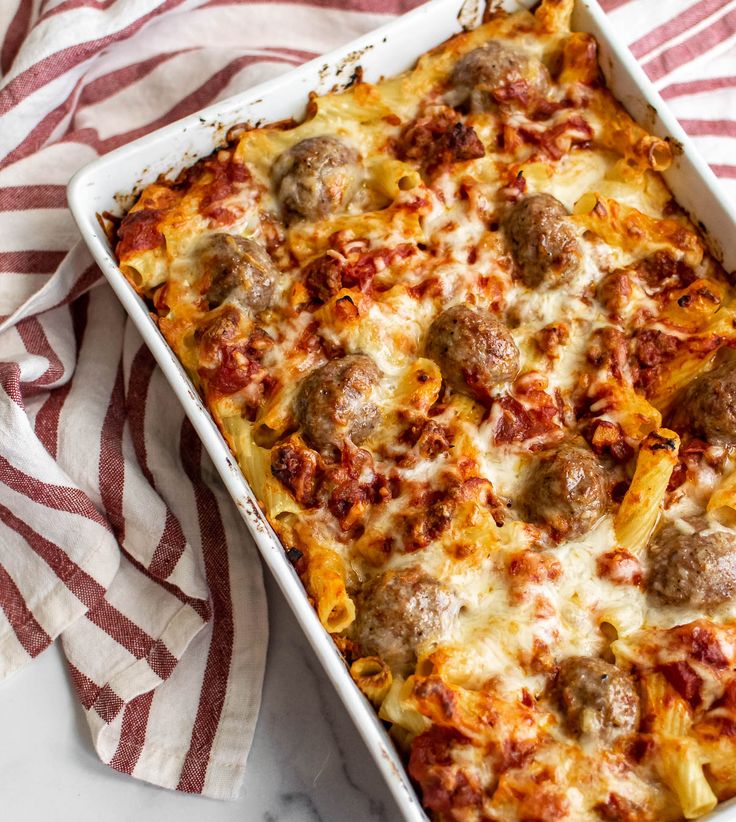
<point x="116" y="535"/>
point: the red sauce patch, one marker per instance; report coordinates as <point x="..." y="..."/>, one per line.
<point x="226" y="177"/>
<point x="235" y="370"/>
<point x="546" y="804"/>
<point x="620" y="567"/>
<point x="139" y="231"/>
<point x="439" y="139"/>
<point x="297" y="468"/>
<point x="684" y="680"/>
<point x="551" y="338"/>
<point x="729" y="696"/>
<point x="359" y="273"/>
<point x="721" y="726"/>
<point x="653" y="349"/>
<point x="557" y="141"/>
<point x="355" y="267"/>
<point x="429" y="524"/>
<point x="446" y="788"/>
<point x="533" y="567"/>
<point x="518" y="423"/>
<point x="706" y="648"/>
<point x="434" y="440"/>
<point x="608" y="348"/>
<point x="662" y="270"/>
<point x="618" y="809"/>
<point x="430" y="285"/>
<point x="349" y="486"/>
<point x="309" y="341"/>
<point x="640" y="748"/>
<point x="615" y="290"/>
<point x="229" y="363"/>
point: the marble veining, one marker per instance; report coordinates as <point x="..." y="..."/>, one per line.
<point x="307" y="764"/>
<point x="327" y="772"/>
<point x="376" y="807"/>
<point x="297" y="806"/>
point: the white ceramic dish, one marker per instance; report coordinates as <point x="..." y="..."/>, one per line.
<point x="103" y="186"/>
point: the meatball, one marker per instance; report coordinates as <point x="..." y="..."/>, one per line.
<point x="707" y="406"/>
<point x="314" y="178"/>
<point x="400" y="613"/>
<point x="599" y="700"/>
<point x="543" y="244"/>
<point x="238" y="271"/>
<point x="334" y="403"/>
<point x="695" y="569"/>
<point x="497" y="73"/>
<point x="473" y="349"/>
<point x="567" y="491"/>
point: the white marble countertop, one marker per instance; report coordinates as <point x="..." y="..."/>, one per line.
<point x="307" y="764"/>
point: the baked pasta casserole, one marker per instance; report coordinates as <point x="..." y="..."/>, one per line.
<point x="475" y="363"/>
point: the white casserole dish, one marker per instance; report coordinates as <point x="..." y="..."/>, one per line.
<point x="103" y="185"/>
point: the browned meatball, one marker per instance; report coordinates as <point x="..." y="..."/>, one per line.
<point x="316" y="177"/>
<point x="497" y="73"/>
<point x="238" y="271"/>
<point x="707" y="406"/>
<point x="400" y="612"/>
<point x="543" y="244"/>
<point x="567" y="491"/>
<point x="599" y="700"/>
<point x="473" y="349"/>
<point x="697" y="569"/>
<point x="334" y="403"/>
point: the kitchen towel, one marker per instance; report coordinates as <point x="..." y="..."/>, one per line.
<point x="115" y="534"/>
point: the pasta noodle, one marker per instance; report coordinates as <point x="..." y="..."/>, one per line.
<point x="325" y="580"/>
<point x="397" y="709"/>
<point x="641" y="506"/>
<point x="624" y="226"/>
<point x="682" y="770"/>
<point x="373" y="677"/>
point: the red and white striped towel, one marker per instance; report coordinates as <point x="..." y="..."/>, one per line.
<point x="115" y="534"/>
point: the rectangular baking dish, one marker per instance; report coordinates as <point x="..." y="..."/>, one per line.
<point x="107" y="183"/>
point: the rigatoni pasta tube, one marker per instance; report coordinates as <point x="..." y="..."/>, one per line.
<point x="399" y="710"/>
<point x="634" y="414"/>
<point x="680" y="371"/>
<point x="624" y="136"/>
<point x="325" y="581"/>
<point x="255" y="463"/>
<point x="680" y="760"/>
<point x="681" y="769"/>
<point x="392" y="177"/>
<point x="373" y="677"/>
<point x="625" y="227"/>
<point x="554" y="17"/>
<point x="719" y="751"/>
<point x="669" y="714"/>
<point x="625" y="617"/>
<point x="642" y="503"/>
